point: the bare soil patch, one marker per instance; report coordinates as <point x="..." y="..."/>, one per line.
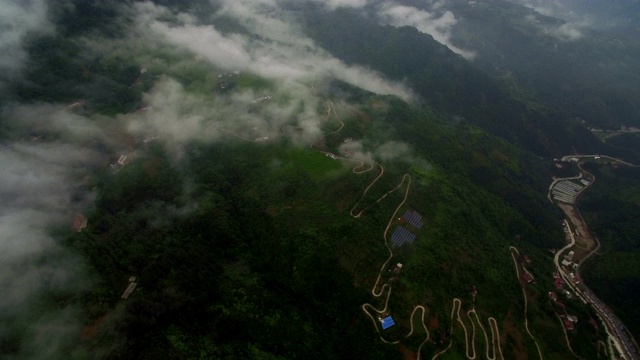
<point x="584" y="238"/>
<point x="90" y="331"/>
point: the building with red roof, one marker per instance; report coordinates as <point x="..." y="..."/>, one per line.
<point x="558" y="283"/>
<point x="568" y="325"/>
<point x="79" y="223"/>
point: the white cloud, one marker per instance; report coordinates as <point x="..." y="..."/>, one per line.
<point x="278" y="51"/>
<point x="17" y="20"/>
<point x="568" y="32"/>
<point x="179" y="117"/>
<point x="392" y="150"/>
<point x="40" y="189"/>
<point x="438" y="26"/>
<point x="225" y="51"/>
<point x="335" y="4"/>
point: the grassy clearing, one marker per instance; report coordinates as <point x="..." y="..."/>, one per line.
<point x="315" y="164"/>
<point x="254" y="82"/>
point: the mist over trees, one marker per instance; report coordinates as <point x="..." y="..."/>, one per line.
<point x="216" y="149"/>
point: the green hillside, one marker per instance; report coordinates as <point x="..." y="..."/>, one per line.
<point x="270" y="212"/>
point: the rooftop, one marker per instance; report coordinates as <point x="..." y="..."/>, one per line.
<point x="387" y="322"/>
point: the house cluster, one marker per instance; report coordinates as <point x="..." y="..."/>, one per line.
<point x="76" y="104"/>
<point x="149" y="139"/>
<point x="557" y="281"/>
<point x="623" y="129"/>
<point x="229" y="75"/>
<point x="526" y="276"/>
<point x="568" y="321"/>
<point x="261" y="99"/>
<point x="122" y="161"/>
<point x="559" y="285"/>
<point x="224" y="84"/>
<point x="568" y="259"/>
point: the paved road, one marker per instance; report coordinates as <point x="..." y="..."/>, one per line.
<point x="568" y="157"/>
<point x="490" y="346"/>
<point x="619" y="335"/>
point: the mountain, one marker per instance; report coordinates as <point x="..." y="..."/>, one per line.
<point x="282" y="180"/>
<point x="568" y="59"/>
<point x="448" y="82"/>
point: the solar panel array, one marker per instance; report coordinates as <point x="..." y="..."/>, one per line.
<point x="413" y="218"/>
<point x="387" y="323"/>
<point x="402" y="235"/>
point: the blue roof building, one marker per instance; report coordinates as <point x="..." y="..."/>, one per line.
<point x="387" y="323"/>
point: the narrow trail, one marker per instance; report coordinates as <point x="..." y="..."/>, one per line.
<point x="524" y="293"/>
<point x="365" y="307"/>
<point x="404" y="177"/>
<point x="490" y="346"/>
<point x="384" y="235"/>
<point x="379" y="290"/>
<point x="237" y="135"/>
<point x="355" y="169"/>
<point x="424" y="326"/>
<point x="470" y="351"/>
<point x="331" y="108"/>
<point x="386" y="231"/>
<point x="364" y="193"/>
<point x="495" y="335"/>
<point x="468" y="339"/>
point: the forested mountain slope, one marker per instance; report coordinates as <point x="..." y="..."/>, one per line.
<point x="446" y="81"/>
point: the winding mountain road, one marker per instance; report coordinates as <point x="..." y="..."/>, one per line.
<point x="619" y="336"/>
